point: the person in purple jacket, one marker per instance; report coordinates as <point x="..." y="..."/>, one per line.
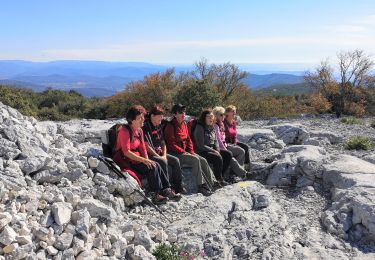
<point x="234" y="165"/>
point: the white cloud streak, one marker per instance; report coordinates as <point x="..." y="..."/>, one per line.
<point x="302" y="48"/>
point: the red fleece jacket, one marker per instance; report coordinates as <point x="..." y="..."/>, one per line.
<point x="177" y="137"/>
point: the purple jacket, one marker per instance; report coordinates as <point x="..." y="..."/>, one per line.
<point x="220" y="136"/>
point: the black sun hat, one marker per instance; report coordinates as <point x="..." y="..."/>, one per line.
<point x="178" y="108"/>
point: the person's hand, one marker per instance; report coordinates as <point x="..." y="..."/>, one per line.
<point x="149" y="163"/>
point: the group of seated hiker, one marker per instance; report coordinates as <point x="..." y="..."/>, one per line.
<point x="156" y="149"/>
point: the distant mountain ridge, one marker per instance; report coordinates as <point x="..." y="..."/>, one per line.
<point x="267" y="80"/>
<point x="101" y="78"/>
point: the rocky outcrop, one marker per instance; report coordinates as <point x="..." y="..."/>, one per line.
<point x="260" y="139"/>
<point x="59" y="202"/>
<point x="290" y="133"/>
<point x="54" y="200"/>
<point x="350" y="180"/>
<point x="352" y="214"/>
<point x="298" y="165"/>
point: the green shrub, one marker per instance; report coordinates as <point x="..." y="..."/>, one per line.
<point x="352" y="121"/>
<point x="359" y="143"/>
<point x="372" y="124"/>
<point x="196" y="96"/>
<point x="166" y="252"/>
<point x="20" y="99"/>
<point x="173" y="252"/>
<point x="51" y="113"/>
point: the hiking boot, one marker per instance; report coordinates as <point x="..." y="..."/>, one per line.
<point x="204" y="190"/>
<point x="171" y="194"/>
<point x="250" y="175"/>
<point x="224" y="183"/>
<point x="181" y="190"/>
<point x="236" y="179"/>
<point x="217" y="185"/>
<point x="159" y="199"/>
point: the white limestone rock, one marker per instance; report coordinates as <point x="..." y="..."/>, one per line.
<point x="7" y="235"/>
<point x="290" y="133"/>
<point x="62" y="212"/>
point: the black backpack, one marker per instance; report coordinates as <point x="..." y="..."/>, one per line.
<point x="191" y="126"/>
<point x="109" y="139"/>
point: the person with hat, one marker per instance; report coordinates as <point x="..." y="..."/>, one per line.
<point x="180" y="145"/>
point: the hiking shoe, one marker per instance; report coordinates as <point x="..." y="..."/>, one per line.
<point x="217" y="185"/>
<point x="204" y="190"/>
<point x="224" y="183"/>
<point x="172" y="195"/>
<point x="159" y="199"/>
<point x="181" y="190"/>
<point x="250" y="175"/>
<point x="236" y="179"/>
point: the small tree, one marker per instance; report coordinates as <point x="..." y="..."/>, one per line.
<point x="197" y="95"/>
<point x="346" y="93"/>
<point x="226" y="77"/>
<point x="319" y="103"/>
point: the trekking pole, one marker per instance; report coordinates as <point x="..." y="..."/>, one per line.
<point x="206" y="180"/>
<point x="113" y="166"/>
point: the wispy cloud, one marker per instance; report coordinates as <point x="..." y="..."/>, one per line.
<point x="158" y="50"/>
<point x="362" y="26"/>
<point x="308" y="47"/>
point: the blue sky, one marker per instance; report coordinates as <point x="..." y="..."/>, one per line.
<point x="181" y="32"/>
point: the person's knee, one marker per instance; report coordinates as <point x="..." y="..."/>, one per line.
<point x="174" y="161"/>
<point x="202" y="160"/>
<point x="242" y="151"/>
<point x="163" y="164"/>
<point x="219" y="158"/>
<point x="194" y="161"/>
<point x="226" y="154"/>
<point x="244" y="146"/>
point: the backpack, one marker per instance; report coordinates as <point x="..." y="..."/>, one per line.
<point x="191" y="126"/>
<point x="109" y="139"/>
<point x="164" y="124"/>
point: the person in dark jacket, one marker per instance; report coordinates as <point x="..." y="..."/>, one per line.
<point x="131" y="151"/>
<point x="180" y="145"/>
<point x="207" y="146"/>
<point x="231" y="136"/>
<point x="157" y="150"/>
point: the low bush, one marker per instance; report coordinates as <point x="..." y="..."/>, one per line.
<point x="360" y="143"/>
<point x="352" y="121"/>
<point x="173" y="252"/>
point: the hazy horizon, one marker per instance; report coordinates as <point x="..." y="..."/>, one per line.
<point x="259" y="67"/>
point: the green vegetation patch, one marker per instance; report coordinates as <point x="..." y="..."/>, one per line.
<point x="173" y="252"/>
<point x="352" y="121"/>
<point x="359" y="143"/>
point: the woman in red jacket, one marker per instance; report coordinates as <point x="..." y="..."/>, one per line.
<point x="231" y="136"/>
<point x="180" y="145"/>
<point x="131" y="150"/>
